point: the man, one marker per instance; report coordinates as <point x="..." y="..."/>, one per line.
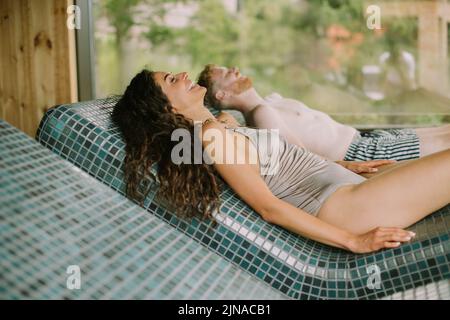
<point x="312" y="129"/>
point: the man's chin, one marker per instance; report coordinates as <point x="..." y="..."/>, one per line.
<point x="244" y="84"/>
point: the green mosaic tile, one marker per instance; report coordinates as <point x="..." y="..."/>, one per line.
<point x="274" y="246"/>
<point x="433" y="291"/>
<point x="53" y="215"/>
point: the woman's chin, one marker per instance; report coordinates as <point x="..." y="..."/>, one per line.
<point x="202" y="93"/>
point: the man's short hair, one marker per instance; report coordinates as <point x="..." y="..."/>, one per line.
<point x="205" y="80"/>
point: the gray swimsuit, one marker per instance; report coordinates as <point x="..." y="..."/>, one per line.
<point x="294" y="174"/>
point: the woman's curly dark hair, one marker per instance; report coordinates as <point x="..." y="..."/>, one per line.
<point x="146" y="120"/>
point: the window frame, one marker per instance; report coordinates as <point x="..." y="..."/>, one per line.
<point x="85" y="52"/>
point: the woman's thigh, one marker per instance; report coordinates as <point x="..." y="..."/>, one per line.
<point x="430" y="131"/>
<point x="434" y="142"/>
<point x="397" y="198"/>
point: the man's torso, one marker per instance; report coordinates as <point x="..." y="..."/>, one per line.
<point x="317" y="131"/>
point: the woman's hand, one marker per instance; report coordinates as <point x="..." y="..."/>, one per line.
<point x="364" y="166"/>
<point x="379" y="238"/>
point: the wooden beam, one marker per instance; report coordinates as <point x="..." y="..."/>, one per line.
<point x="429" y="52"/>
<point x="444" y="11"/>
<point x="37" y="59"/>
<point x="8" y="91"/>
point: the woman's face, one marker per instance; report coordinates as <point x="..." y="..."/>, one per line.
<point x="180" y="90"/>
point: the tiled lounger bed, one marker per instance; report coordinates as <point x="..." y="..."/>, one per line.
<point x="53" y="216"/>
<point x="299" y="267"/>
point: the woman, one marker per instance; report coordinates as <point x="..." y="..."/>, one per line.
<point x="309" y="195"/>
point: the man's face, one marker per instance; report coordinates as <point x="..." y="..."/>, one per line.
<point x="230" y="80"/>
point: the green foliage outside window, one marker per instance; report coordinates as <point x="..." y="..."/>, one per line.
<point x="309" y="50"/>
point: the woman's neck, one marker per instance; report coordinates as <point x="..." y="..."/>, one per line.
<point x="198" y="114"/>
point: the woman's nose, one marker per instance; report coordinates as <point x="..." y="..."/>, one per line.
<point x="182" y="75"/>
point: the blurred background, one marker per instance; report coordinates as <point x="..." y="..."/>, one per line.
<point x="320" y="52"/>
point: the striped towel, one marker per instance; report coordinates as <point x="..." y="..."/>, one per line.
<point x="392" y="144"/>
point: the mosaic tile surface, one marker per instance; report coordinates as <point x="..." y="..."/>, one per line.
<point x="53" y="216"/>
<point x="433" y="291"/>
<point x="299" y="267"/>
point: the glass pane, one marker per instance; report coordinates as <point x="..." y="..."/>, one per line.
<point x="330" y="54"/>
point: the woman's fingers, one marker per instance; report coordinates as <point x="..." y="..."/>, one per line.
<point x="397" y="237"/>
<point x="391" y="244"/>
<point x="366" y="166"/>
<point x="394" y="229"/>
<point x="364" y="169"/>
<point x="394" y="235"/>
<point x="384" y="237"/>
<point x="371" y="166"/>
<point x="379" y="162"/>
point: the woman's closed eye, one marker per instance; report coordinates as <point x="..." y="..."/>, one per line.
<point x="170" y="78"/>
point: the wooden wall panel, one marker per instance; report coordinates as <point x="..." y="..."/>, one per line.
<point x="37" y="60"/>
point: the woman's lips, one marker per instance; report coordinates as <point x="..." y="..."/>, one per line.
<point x="192" y="86"/>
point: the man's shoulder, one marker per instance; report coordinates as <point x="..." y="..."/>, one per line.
<point x="262" y="113"/>
<point x="262" y="109"/>
<point x="273" y="97"/>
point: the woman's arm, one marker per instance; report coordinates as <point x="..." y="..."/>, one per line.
<point x="298" y="221"/>
<point x="246" y="181"/>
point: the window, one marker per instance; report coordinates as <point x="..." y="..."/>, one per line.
<point x="319" y="52"/>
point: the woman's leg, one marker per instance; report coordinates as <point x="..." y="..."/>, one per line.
<point x="433" y="130"/>
<point x="433" y="139"/>
<point x="396" y="198"/>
